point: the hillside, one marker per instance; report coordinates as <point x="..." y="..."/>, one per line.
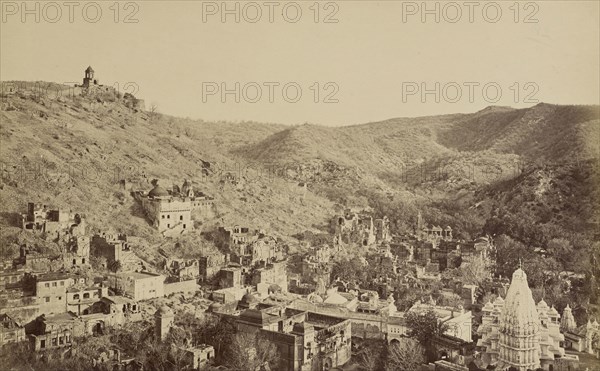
<point x="72" y="152"/>
<point x="547" y="132"/>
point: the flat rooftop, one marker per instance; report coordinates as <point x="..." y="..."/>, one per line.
<point x="139" y="275"/>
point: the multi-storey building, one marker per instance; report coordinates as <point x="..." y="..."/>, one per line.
<point x="305" y="340"/>
<point x="116" y="247"/>
<point x="142" y="285"/>
<point x="51" y="292"/>
<point x="171" y="212"/>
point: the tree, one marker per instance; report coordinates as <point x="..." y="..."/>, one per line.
<point x="453" y="300"/>
<point x="424" y="327"/>
<point x="116" y="266"/>
<point x="219" y="332"/>
<point x="561" y="250"/>
<point x="372" y="356"/>
<point x="476" y="271"/>
<point x="250" y="351"/>
<point x="98" y="263"/>
<point x="153" y="113"/>
<point x="349" y="270"/>
<point x="406" y="355"/>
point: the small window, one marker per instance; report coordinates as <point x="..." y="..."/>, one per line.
<point x="42" y="344"/>
<point x="46" y="284"/>
<point x="76" y="297"/>
<point x="86" y="295"/>
<point x="54" y="284"/>
<point x="169" y="216"/>
<point x="62" y="283"/>
<point x="47" y="299"/>
<point x="184" y="226"/>
<point x="54" y="342"/>
<point x="61" y="340"/>
<point x="180" y="217"/>
<point x="59" y="297"/>
<point x="168" y="225"/>
<point x="82" y="260"/>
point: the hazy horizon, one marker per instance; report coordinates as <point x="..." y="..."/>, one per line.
<point x="365" y="66"/>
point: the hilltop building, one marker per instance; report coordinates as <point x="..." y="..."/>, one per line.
<point x="88" y="78"/>
<point x="517" y="334"/>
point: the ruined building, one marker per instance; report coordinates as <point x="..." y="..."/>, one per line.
<point x="10" y="330"/>
<point x="54" y="222"/>
<point x="432" y="233"/>
<point x="359" y="227"/>
<point x="117" y="247"/>
<point x="210" y="265"/>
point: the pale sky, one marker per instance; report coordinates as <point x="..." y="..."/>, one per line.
<point x="370" y="56"/>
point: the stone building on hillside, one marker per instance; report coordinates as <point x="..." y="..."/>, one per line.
<point x="171" y="211"/>
<point x="51" y="292"/>
<point x="77" y="252"/>
<point x="517" y="334"/>
<point x="10" y="331"/>
<point x="210" y="265"/>
<point x="54" y="222"/>
<point x="141" y="285"/>
<point x="355" y="227"/>
<point x="236" y="238"/>
<point x="432" y="233"/>
<point x="116" y="247"/>
<point x="182" y="269"/>
<point x="382" y="230"/>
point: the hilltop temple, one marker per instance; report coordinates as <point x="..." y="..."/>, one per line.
<point x="518" y="335"/>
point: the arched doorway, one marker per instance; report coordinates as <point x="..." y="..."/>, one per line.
<point x="97" y="329"/>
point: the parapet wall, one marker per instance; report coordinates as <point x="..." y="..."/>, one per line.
<point x="183" y="286"/>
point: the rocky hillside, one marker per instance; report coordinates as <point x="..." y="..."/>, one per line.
<point x="73" y="151"/>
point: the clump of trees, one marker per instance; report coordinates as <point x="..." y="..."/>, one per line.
<point x="424" y="327"/>
<point x="404" y="354"/>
